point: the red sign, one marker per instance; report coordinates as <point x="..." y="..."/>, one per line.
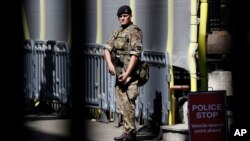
<point x="207" y="116"/>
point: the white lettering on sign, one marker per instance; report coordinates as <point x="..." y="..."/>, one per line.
<point x="208" y="107"/>
<point x="207" y="128"/>
<point x="206" y="114"/>
<point x="207" y="110"/>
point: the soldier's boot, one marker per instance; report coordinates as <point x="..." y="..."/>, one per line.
<point x="130" y="137"/>
<point x="120" y="138"/>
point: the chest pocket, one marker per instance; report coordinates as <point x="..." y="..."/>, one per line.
<point x="122" y="41"/>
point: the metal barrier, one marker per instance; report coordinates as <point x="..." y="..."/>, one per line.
<point x="153" y="100"/>
<point x="46" y="71"/>
<point x="99" y="93"/>
<point x="97" y="77"/>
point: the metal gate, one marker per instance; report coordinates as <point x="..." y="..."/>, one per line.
<point x="46" y="71"/>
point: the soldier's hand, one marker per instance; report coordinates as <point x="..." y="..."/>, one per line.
<point x="112" y="69"/>
<point x="123" y="77"/>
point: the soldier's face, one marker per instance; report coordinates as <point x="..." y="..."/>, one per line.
<point x="124" y="19"/>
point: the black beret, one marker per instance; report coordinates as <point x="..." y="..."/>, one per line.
<point x="124" y="9"/>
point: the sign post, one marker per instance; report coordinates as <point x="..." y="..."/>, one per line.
<point x="207" y="116"/>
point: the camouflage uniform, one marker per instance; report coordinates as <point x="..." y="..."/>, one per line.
<point x="123" y="44"/>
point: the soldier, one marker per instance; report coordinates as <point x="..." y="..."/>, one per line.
<point x="122" y="54"/>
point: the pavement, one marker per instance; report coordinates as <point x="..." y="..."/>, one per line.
<point x="99" y="131"/>
<point x="41" y="128"/>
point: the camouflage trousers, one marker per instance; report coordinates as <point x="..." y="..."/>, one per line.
<point x="126" y="96"/>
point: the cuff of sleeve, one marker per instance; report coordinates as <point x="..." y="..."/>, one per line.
<point x="138" y="54"/>
<point x="108" y="47"/>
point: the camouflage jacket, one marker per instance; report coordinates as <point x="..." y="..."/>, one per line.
<point x="123" y="44"/>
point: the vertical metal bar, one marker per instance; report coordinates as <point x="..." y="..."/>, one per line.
<point x="57" y="72"/>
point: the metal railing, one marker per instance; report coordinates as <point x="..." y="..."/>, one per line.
<point x="46" y="71"/>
